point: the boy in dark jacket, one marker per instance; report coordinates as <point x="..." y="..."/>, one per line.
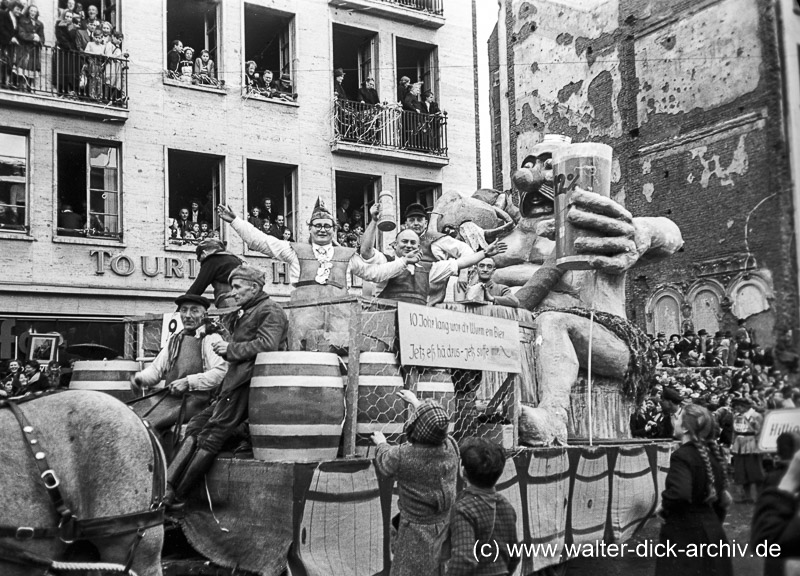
<point x="482" y="515"/>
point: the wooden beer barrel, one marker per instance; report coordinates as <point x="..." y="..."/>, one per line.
<point x="380" y="409"/>
<point x="296" y="406"/>
<point x="633" y="492"/>
<point x="109" y="376"/>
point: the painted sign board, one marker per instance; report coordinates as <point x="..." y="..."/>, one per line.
<point x="449" y="339"/>
<point x="776" y="422"/>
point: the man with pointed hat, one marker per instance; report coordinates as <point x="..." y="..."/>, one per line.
<point x="188" y="366"/>
<point x="318" y="270"/>
<point x="216" y="264"/>
<point x="259" y="325"/>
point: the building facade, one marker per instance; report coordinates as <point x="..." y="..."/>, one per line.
<point x="690" y="95"/>
<point x="100" y="156"/>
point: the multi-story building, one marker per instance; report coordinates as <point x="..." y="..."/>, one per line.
<point x="99" y="156"/>
<point x="699" y="100"/>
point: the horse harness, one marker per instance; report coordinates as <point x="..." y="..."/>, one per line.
<point x="71" y="528"/>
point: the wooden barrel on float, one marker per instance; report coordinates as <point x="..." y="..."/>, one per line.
<point x="380" y="409"/>
<point x="109" y="376"/>
<point x="296" y="406"/>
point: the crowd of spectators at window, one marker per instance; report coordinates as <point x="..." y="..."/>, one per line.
<point x="184" y="67"/>
<point x="265" y="85"/>
<point x="191" y="226"/>
<point x="263" y="219"/>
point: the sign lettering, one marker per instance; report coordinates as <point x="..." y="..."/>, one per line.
<point x="776" y="423"/>
<point x="449" y="339"/>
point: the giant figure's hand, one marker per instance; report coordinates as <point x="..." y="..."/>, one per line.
<point x="613" y="247"/>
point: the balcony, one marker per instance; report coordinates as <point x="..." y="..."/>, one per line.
<point x="71" y="82"/>
<point x="425" y="13"/>
<point x="388" y="132"/>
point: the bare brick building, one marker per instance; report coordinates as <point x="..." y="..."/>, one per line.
<point x="699" y="100"/>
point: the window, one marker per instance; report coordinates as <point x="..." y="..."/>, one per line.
<point x="195" y="190"/>
<point x="417" y="61"/>
<point x="89" y="188"/>
<point x="13" y="182"/>
<point x="354" y="50"/>
<point x="269" y="42"/>
<point x="667" y="315"/>
<point x="412" y="191"/>
<point x="195" y="23"/>
<point x="107" y="10"/>
<point x="355" y="193"/>
<point x="270" y="190"/>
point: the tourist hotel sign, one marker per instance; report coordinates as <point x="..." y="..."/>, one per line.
<point x="776" y="422"/>
<point x="449" y="339"/>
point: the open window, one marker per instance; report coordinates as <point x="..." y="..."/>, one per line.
<point x="13" y="182"/>
<point x="355" y="51"/>
<point x="107" y="10"/>
<point x="417" y="61"/>
<point x="355" y="194"/>
<point x="195" y="190"/>
<point x="269" y="42"/>
<point x="413" y="191"/>
<point x="271" y="198"/>
<point x="89" y="188"/>
<point x="195" y="23"/>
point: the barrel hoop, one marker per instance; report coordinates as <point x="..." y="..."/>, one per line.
<point x="296" y="382"/>
<point x="299" y="455"/>
<point x="639" y="474"/>
<point x="375" y="369"/>
<point x="437" y="387"/>
<point x="297" y="443"/>
<point x="103" y="376"/>
<point x="272" y="370"/>
<point x="545" y="539"/>
<point x="557" y="477"/>
<point x="590" y="530"/>
<point x="357" y="496"/>
<point x="591" y="478"/>
<point x="297" y="358"/>
<point x="380" y="381"/>
<point x="296" y="429"/>
<point x="387" y="428"/>
<point x="100" y="386"/>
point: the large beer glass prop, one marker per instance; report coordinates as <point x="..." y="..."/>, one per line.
<point x="586" y="166"/>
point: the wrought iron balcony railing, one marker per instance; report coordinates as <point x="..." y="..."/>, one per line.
<point x="390" y="127"/>
<point x="80" y="76"/>
<point x="432" y="6"/>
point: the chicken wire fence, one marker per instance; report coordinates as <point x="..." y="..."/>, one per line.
<point x="479" y="403"/>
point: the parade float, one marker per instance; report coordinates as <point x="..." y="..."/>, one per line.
<point x="554" y="382"/>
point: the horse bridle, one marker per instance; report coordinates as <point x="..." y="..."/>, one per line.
<point x="71" y="528"/>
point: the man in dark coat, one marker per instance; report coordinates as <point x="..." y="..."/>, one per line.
<point x="216" y="265"/>
<point x="338" y="89"/>
<point x="260" y="325"/>
<point x="670" y="408"/>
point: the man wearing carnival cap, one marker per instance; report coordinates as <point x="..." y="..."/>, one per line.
<point x="188" y="365"/>
<point x="318" y="270"/>
<point x="259" y="325"/>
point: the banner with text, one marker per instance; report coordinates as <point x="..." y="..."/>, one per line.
<point x="449" y="339"/>
<point x="776" y="423"/>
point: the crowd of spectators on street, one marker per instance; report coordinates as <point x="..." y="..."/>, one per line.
<point x="18" y="378"/>
<point x="88" y="60"/>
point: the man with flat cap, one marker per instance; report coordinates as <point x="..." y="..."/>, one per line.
<point x="671" y="401"/>
<point x="259" y="325"/>
<point x="188" y="365"/>
<point x="216" y="264"/>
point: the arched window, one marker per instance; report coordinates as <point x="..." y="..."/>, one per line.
<point x="749" y="298"/>
<point x="706" y="310"/>
<point x="667" y="315"/>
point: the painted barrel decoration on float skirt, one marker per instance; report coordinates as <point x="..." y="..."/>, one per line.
<point x="590" y="495"/>
<point x="296" y="406"/>
<point x="109" y="376"/>
<point x="546" y="495"/>
<point x="634" y="490"/>
<point x="380" y="409"/>
<point x="437" y="384"/>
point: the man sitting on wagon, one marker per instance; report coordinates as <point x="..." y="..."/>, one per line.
<point x="188" y="364"/>
<point x="259" y="325"/>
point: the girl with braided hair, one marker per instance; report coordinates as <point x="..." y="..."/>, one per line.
<point x="695" y="500"/>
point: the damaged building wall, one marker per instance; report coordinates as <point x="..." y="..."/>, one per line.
<point x="689" y="96"/>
